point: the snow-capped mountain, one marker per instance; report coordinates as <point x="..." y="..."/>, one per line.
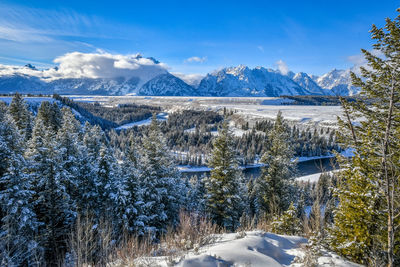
<point x="166" y="85"/>
<point x="105" y="74"/>
<point x="243" y="81"/>
<point x="99" y="86"/>
<point x="80" y="73"/>
<point x="338" y="82"/>
<point x="308" y="83"/>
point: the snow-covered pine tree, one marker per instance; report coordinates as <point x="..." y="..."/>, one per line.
<point x="252" y="197"/>
<point x="163" y="190"/>
<point x="52" y="203"/>
<point x="196" y="192"/>
<point x="18" y="224"/>
<point x="367" y="218"/>
<point x="134" y="202"/>
<point x="3" y="110"/>
<point x="287" y="223"/>
<point x="274" y="184"/>
<point x="89" y="151"/>
<point x="224" y="188"/>
<point x="111" y="194"/>
<point x="67" y="146"/>
<point x="21" y="116"/>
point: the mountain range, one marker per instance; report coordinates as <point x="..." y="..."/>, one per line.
<point x="156" y="81"/>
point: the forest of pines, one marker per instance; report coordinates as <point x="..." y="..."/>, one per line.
<point x="71" y="194"/>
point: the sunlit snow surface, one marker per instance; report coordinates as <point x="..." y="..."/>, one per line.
<point x="249" y="108"/>
<point x="255" y="248"/>
<point x="160" y="117"/>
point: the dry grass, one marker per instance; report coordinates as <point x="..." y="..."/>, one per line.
<point x="193" y="231"/>
<point x="92" y="244"/>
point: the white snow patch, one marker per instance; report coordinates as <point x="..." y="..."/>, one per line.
<point x="160" y="117"/>
<point x="188" y="168"/>
<point x="313" y="178"/>
<point x="255" y="248"/>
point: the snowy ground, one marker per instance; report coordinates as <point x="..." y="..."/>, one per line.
<point x="254" y="248"/>
<point x="160" y="117"/>
<point x="312" y="178"/>
<point x="250" y="108"/>
<point x="31" y="100"/>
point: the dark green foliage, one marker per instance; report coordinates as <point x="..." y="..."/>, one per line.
<point x="317" y="100"/>
<point x="287" y="223"/>
<point x="52" y="203"/>
<point x="273" y="186"/>
<point x="366" y="220"/>
<point x="163" y="188"/>
<point x="21" y="116"/>
<point x="224" y="188"/>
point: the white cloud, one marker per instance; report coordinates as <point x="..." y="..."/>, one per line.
<point x="196" y="59"/>
<point x="261" y="48"/>
<point x="105" y="65"/>
<point x="94" y="65"/>
<point x="191" y="79"/>
<point x="360" y="61"/>
<point x="282" y="67"/>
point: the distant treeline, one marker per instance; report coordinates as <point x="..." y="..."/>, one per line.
<point x="109" y="117"/>
<point x="319" y="100"/>
<point x="26" y="95"/>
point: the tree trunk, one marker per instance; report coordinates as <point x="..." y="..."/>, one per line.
<point x="389" y="181"/>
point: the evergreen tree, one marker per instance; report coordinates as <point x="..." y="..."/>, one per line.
<point x="224" y="187"/>
<point x="3" y="110"/>
<point x="87" y="180"/>
<point x="18" y="220"/>
<point x="67" y="147"/>
<point x="110" y="188"/>
<point x="273" y="185"/>
<point x="163" y="190"/>
<point x="52" y="202"/>
<point x="21" y="116"/>
<point x="288" y="223"/>
<point x="51" y="115"/>
<point x="368" y="192"/>
<point x="196" y="192"/>
<point x="134" y="197"/>
<point x="252" y="197"/>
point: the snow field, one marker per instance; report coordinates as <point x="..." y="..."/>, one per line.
<point x="252" y="248"/>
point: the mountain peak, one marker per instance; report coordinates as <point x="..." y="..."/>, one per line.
<point x="30" y="66"/>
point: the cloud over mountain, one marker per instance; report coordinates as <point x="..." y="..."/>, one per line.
<point x="94" y="65"/>
<point x="105" y="65"/>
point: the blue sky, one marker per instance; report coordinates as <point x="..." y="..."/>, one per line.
<point x="194" y="36"/>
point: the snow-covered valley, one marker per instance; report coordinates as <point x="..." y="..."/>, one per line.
<point x="248" y="108"/>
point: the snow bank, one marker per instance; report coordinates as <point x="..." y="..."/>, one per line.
<point x="313" y="178"/>
<point x="254" y="248"/>
<point x="160" y="117"/>
<point x="348" y="153"/>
